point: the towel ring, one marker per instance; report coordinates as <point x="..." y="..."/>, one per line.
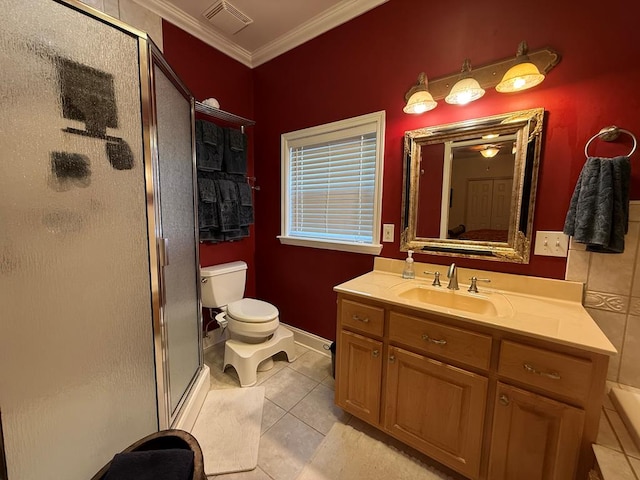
<point x="609" y="134"/>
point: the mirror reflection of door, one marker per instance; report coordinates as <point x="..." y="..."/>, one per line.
<point x="488" y="204"/>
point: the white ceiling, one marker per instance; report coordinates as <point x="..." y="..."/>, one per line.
<point x="278" y="25"/>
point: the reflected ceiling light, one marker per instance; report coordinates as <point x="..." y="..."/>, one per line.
<point x="490" y="136"/>
<point x="490" y="151"/>
<point x="522" y="75"/>
<point x="418" y="98"/>
<point x="465" y="90"/>
<point x="514" y="148"/>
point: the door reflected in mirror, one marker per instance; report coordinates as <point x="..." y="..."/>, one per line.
<point x="470" y="187"/>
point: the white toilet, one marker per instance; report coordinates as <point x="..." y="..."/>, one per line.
<point x="255" y="333"/>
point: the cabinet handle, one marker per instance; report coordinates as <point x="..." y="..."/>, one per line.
<point x="361" y="319"/>
<point x="392" y="359"/>
<point x="551" y="375"/>
<point x="504" y="400"/>
<point x="427" y="338"/>
<point x="375" y="353"/>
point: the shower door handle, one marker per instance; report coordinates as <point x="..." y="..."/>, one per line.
<point x="163" y="261"/>
<point x="163" y="251"/>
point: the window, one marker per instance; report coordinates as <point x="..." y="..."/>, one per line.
<point x="332" y="185"/>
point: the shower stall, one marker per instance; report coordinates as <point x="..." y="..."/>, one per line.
<point x="100" y="320"/>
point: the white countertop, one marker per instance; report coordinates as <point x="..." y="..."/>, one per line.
<point x="563" y="321"/>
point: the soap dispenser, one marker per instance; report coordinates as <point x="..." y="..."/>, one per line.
<point x="408" y="271"/>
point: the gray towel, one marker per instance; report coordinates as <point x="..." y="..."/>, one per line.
<point x="246" y="203"/>
<point x="206" y="190"/>
<point x="235" y="152"/>
<point x="228" y="211"/>
<point x="599" y="210"/>
<point x="208" y="158"/>
<point x="211" y="134"/>
<point x="207" y="215"/>
<point x="236" y="140"/>
<point x="211" y="235"/>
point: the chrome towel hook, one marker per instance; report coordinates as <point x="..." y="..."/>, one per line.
<point x="609" y="134"/>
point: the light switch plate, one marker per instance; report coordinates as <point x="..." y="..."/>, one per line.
<point x="551" y="244"/>
<point x="387" y="232"/>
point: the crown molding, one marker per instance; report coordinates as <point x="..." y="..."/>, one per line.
<point x="331" y="18"/>
<point x="337" y="15"/>
<point x="190" y="25"/>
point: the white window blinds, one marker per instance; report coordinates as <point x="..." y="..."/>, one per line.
<point x="332" y="185"/>
<point x="332" y="189"/>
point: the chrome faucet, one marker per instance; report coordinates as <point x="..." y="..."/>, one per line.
<point x="452" y="275"/>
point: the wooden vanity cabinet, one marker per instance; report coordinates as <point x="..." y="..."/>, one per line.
<point x="534" y="437"/>
<point x="488" y="404"/>
<point x="435" y="407"/>
<point x="360" y="373"/>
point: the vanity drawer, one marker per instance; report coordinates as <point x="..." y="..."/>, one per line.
<point x="556" y="372"/>
<point x="432" y="337"/>
<point x="362" y="317"/>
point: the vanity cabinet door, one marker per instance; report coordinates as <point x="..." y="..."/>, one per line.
<point x="359" y="375"/>
<point x="436" y="408"/>
<point x="534" y="437"/>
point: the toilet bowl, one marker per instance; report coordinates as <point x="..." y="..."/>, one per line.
<point x="255" y="333"/>
<point x="251" y="321"/>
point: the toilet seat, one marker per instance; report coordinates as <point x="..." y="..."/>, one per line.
<point x="250" y="310"/>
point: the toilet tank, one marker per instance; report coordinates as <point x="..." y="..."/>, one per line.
<point x="222" y="284"/>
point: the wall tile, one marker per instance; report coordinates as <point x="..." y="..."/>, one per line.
<point x="634" y="306"/>
<point x="634" y="211"/>
<point x="613" y="326"/>
<point x="613" y="273"/>
<point x="606" y="301"/>
<point x="111" y="7"/>
<point x="578" y="266"/>
<point x="630" y="361"/>
<point x="573" y="245"/>
<point x="97" y="4"/>
<point x="143" y="19"/>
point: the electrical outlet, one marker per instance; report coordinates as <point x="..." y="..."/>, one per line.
<point x="387" y="232"/>
<point x="552" y="244"/>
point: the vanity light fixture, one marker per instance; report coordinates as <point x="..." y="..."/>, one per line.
<point x="522" y="75"/>
<point x="490" y="151"/>
<point x="467" y="89"/>
<point x="418" y="98"/>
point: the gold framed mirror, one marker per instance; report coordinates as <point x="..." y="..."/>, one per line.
<point x="469" y="187"/>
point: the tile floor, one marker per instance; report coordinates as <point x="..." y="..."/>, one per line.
<point x="618" y="456"/>
<point x="298" y="412"/>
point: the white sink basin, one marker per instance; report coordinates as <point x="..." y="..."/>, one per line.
<point x="491" y="304"/>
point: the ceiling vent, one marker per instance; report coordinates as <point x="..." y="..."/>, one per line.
<point x="226" y="18"/>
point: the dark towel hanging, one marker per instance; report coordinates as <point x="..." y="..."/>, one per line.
<point x="246" y="203"/>
<point x="210" y="135"/>
<point x="235" y="152"/>
<point x="206" y="190"/>
<point x="228" y="211"/>
<point x="599" y="210"/>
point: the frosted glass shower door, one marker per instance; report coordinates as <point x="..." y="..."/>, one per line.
<point x="77" y="374"/>
<point x="181" y="313"/>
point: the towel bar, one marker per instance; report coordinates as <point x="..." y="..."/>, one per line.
<point x="609" y="134"/>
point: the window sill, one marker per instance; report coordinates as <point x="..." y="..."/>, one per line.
<point x="328" y="245"/>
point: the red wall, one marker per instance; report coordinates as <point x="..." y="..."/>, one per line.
<point x="369" y="63"/>
<point x="209" y="73"/>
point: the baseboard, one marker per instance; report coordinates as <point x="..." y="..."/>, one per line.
<point x="187" y="418"/>
<point x="309" y="340"/>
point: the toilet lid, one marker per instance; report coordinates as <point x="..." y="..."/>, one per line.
<point x="252" y="310"/>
